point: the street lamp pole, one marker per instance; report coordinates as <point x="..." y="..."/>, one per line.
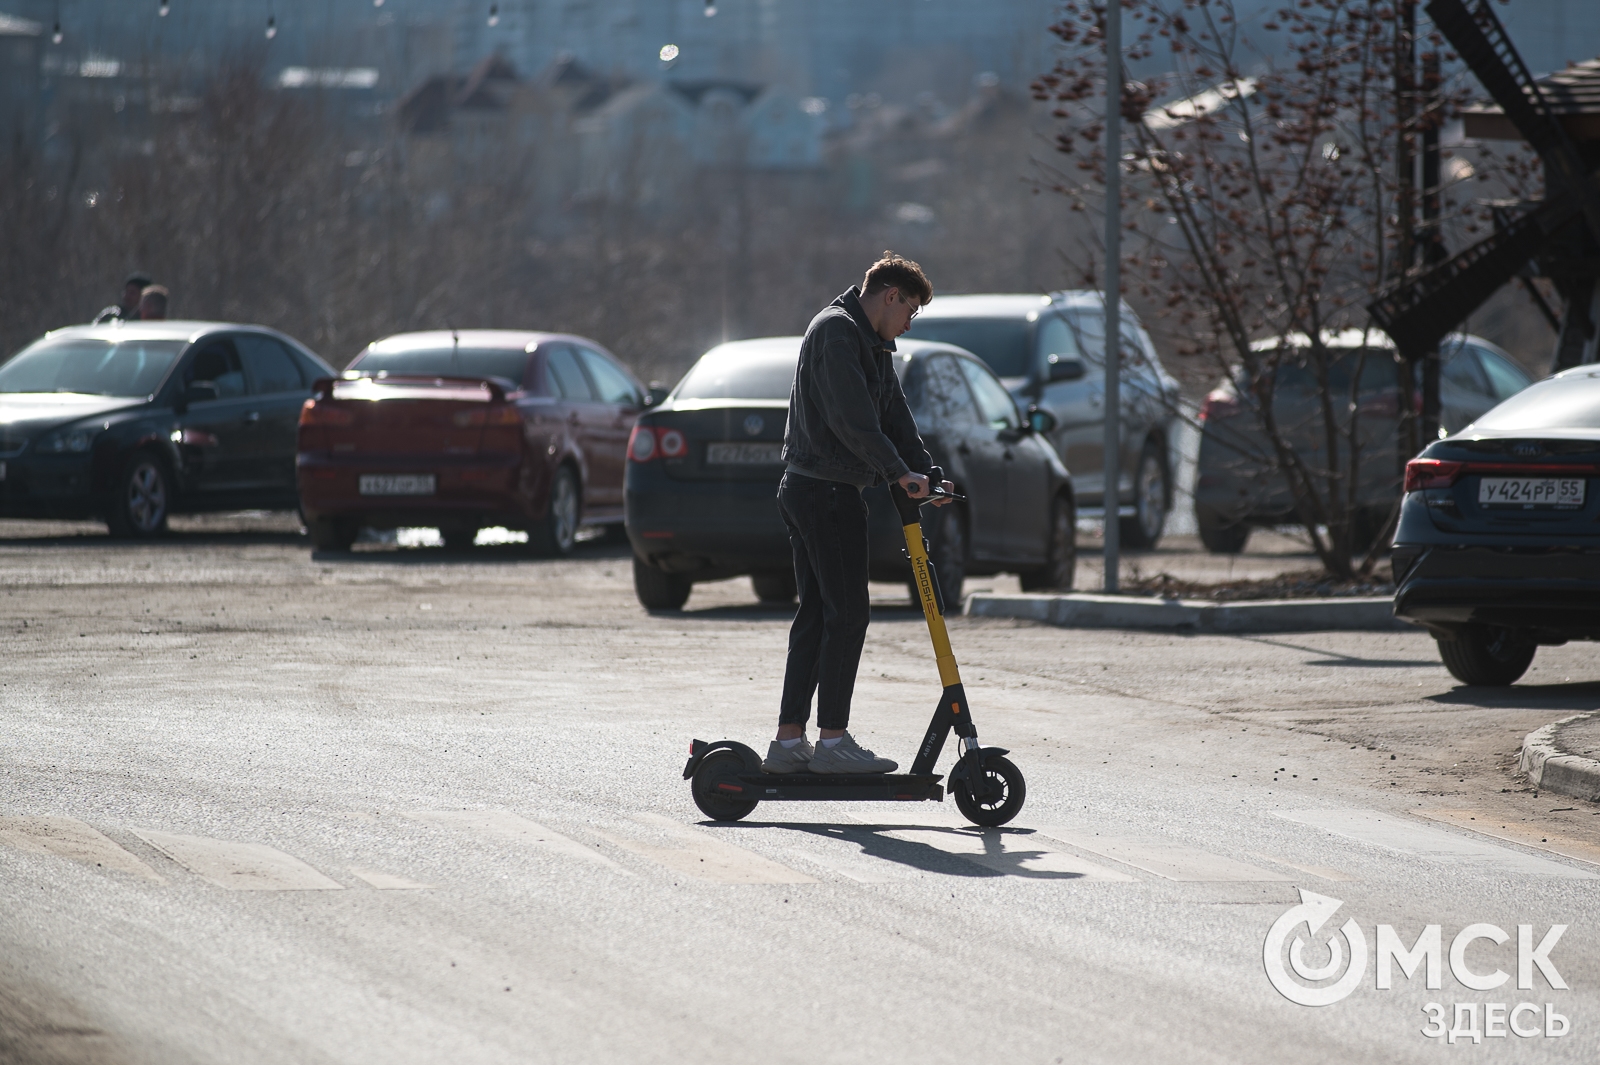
<point x="1112" y="492"/>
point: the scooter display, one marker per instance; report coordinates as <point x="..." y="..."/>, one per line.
<point x="727" y="781"/>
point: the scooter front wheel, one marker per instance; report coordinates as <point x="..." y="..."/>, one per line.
<point x="1006" y="792"/>
<point x="713" y="787"/>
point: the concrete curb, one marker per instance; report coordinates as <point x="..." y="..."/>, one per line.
<point x="1080" y="611"/>
<point x="1549" y="768"/>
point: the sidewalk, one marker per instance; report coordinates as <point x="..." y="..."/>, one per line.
<point x="1565" y="757"/>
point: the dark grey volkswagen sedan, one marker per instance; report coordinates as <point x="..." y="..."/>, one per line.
<point x="703" y="469"/>
<point x="1498" y="549"/>
<point x="131" y="422"/>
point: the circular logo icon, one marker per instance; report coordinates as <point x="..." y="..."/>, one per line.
<point x="754" y="424"/>
<point x="1313" y="912"/>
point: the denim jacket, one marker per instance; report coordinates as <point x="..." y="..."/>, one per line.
<point x="848" y="419"/>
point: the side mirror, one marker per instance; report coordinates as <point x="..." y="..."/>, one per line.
<point x="1066" y="368"/>
<point x="658" y="392"/>
<point x="200" y="392"/>
<point x="1041" y="421"/>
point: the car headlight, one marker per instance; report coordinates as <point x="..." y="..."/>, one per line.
<point x="67" y="441"/>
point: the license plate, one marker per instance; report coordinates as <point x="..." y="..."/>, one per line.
<point x="744" y="454"/>
<point x="1531" y="491"/>
<point x="2" y="471"/>
<point x="397" y="484"/>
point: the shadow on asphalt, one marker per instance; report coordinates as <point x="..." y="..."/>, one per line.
<point x="1581" y="695"/>
<point x="875" y="842"/>
<point x="501" y="554"/>
<point x="171" y="539"/>
<point x="1334" y="658"/>
<point x="780" y="611"/>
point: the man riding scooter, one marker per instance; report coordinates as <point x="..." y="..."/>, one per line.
<point x="849" y="428"/>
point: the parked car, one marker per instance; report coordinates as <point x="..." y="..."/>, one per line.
<point x="132" y="422"/>
<point x="1497" y="552"/>
<point x="1049" y="352"/>
<point x="704" y="466"/>
<point x="468" y="430"/>
<point x="1239" y="485"/>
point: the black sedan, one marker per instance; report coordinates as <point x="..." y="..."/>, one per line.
<point x="1498" y="548"/>
<point x="131" y="422"/>
<point x="703" y="470"/>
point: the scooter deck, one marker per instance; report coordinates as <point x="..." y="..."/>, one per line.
<point x="820" y="787"/>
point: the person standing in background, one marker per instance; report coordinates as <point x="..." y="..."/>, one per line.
<point x="128" y="309"/>
<point x="153" y="304"/>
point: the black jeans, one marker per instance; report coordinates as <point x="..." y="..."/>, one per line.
<point x="828" y="532"/>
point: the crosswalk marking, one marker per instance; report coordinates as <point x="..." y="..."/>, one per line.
<point x="1170" y="861"/>
<point x="694" y="852"/>
<point x="1397" y="833"/>
<point x="238" y="866"/>
<point x="387" y="881"/>
<point x="1539" y="839"/>
<point x="67" y="837"/>
<point x="1011" y="852"/>
<point x="514" y="828"/>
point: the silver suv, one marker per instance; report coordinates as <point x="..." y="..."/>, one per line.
<point x="1049" y="351"/>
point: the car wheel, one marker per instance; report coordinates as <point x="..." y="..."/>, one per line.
<point x="1217" y="535"/>
<point x="459" y="537"/>
<point x="946" y="533"/>
<point x="1058" y="572"/>
<point x="1143" y="531"/>
<point x="1486" y="655"/>
<point x="332" y="534"/>
<point x="775" y="587"/>
<point x="139" y="503"/>
<point x="556" y="534"/>
<point x="657" y="590"/>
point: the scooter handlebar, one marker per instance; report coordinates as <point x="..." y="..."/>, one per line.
<point x="910" y="509"/>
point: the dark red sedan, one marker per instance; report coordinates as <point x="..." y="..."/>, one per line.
<point x="468" y="430"/>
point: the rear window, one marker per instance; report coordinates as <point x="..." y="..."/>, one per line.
<point x="1554" y="403"/>
<point x="1297" y="374"/>
<point x="736" y="375"/>
<point x="1000" y="342"/>
<point x="507" y="365"/>
<point x="91" y="367"/>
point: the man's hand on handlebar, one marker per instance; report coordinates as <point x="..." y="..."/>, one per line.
<point x="916" y="486"/>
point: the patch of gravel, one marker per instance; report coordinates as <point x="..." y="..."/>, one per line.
<point x="1301" y="584"/>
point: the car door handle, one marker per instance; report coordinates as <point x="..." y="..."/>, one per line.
<point x="963" y="450"/>
<point x="572" y="419"/>
<point x="253" y="417"/>
<point x="1009" y="456"/>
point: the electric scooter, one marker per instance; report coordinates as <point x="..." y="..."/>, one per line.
<point x="726" y="776"/>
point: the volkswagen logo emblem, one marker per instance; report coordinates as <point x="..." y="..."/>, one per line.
<point x="1527" y="451"/>
<point x="754" y="424"/>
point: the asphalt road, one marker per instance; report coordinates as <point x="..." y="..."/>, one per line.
<point x="407" y="806"/>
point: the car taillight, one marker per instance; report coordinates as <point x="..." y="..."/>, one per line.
<point x="1431" y="473"/>
<point x="1219" y="404"/>
<point x="323" y="412"/>
<point x="642" y="444"/>
<point x="672" y="443"/>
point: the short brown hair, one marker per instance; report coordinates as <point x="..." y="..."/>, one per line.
<point x="156" y="296"/>
<point x="892" y="271"/>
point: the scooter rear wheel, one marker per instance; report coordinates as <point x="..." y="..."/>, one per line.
<point x="720" y="767"/>
<point x="1005" y="801"/>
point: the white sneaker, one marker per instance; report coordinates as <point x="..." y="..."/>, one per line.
<point x="848" y="756"/>
<point x="781" y="759"/>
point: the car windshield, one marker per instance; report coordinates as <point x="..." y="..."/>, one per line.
<point x="740" y="375"/>
<point x="505" y="363"/>
<point x="91" y="367"/>
<point x="1000" y="342"/>
<point x="1554" y="403"/>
